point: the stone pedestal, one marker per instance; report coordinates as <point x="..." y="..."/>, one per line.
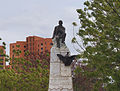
<point x="60" y="75"/>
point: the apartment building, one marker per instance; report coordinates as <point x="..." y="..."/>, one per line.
<point x="33" y="44"/>
<point x="2" y="58"/>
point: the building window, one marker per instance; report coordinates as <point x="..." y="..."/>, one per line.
<point x="41" y="44"/>
<point x="41" y="53"/>
<point x="24" y="50"/>
<point x="33" y="38"/>
<point x="13" y="56"/>
<point x="27" y="39"/>
<point x="38" y="45"/>
<point x="2" y="55"/>
<point x="12" y="46"/>
<point x="1" y="63"/>
<point x="38" y="50"/>
<point x="24" y="46"/>
<point x="41" y="48"/>
<point x="51" y="43"/>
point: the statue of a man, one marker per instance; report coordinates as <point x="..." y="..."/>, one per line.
<point x="59" y="34"/>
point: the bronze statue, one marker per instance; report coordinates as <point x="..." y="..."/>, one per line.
<point x="59" y="34"/>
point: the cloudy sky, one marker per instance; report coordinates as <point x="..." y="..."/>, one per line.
<point x="22" y="18"/>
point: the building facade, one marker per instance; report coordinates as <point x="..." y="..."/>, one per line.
<point x="19" y="46"/>
<point x="2" y="58"/>
<point x="38" y="45"/>
<point x="33" y="44"/>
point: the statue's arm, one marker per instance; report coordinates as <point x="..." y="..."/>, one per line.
<point x="64" y="30"/>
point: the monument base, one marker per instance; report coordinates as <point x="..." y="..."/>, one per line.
<point x="60" y="75"/>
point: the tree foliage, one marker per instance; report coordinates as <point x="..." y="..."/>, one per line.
<point x="100" y="33"/>
<point x="26" y="74"/>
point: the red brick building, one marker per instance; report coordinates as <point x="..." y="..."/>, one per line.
<point x="34" y="44"/>
<point x="2" y="58"/>
<point x="38" y="45"/>
<point x="19" y="45"/>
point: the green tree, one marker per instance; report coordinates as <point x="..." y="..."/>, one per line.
<point x="26" y="75"/>
<point x="100" y="35"/>
<point x="33" y="73"/>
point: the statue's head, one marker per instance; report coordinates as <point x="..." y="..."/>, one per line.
<point x="60" y="22"/>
